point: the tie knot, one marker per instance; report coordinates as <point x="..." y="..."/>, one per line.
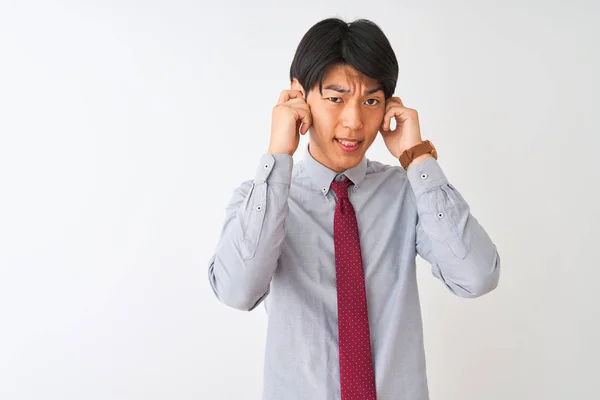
<point x="341" y="187"/>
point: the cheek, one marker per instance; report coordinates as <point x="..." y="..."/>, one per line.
<point x="371" y="138"/>
<point x="324" y="122"/>
<point x="375" y="119"/>
<point x="377" y="116"/>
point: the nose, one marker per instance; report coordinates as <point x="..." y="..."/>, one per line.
<point x="351" y="116"/>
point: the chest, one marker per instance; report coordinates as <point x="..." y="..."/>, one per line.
<point x="386" y="222"/>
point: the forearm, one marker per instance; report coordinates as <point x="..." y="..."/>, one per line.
<point x="250" y="244"/>
<point x="460" y="251"/>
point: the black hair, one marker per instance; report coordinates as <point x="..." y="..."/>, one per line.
<point x="360" y="44"/>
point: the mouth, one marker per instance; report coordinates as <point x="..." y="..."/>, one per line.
<point x="348" y="145"/>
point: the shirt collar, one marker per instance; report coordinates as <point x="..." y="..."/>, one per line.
<point x="322" y="176"/>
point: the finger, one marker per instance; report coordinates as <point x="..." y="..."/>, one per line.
<point x="305" y="117"/>
<point x="399" y="113"/>
<point x="301" y="112"/>
<point x="295" y="102"/>
<point x="288" y="94"/>
<point x="395" y="101"/>
<point x="399" y="101"/>
<point x="387" y="118"/>
<point x="393" y="104"/>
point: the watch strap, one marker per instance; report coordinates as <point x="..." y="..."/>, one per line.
<point x="418" y="150"/>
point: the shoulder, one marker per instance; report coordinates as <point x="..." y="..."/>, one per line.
<point x="298" y="168"/>
<point x="391" y="177"/>
<point x="300" y="178"/>
<point x="377" y="168"/>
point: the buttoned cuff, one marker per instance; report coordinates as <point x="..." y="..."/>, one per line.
<point x="275" y="168"/>
<point x="425" y="176"/>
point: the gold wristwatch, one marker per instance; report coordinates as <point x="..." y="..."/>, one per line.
<point x="418" y="150"/>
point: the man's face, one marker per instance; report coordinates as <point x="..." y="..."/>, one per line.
<point x="350" y="110"/>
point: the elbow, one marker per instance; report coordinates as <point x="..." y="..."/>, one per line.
<point x="480" y="287"/>
<point x="231" y="294"/>
<point x="485" y="279"/>
<point x="241" y="302"/>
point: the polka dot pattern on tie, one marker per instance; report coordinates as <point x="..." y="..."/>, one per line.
<point x="357" y="378"/>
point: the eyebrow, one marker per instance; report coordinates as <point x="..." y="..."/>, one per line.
<point x="340" y="89"/>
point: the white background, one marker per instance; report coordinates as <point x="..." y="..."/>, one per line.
<point x="126" y="125"/>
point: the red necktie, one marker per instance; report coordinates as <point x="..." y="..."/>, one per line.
<point x="357" y="378"/>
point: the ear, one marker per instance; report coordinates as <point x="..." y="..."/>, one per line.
<point x="295" y="85"/>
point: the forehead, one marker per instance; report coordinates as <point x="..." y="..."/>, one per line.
<point x="346" y="75"/>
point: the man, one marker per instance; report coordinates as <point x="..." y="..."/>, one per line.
<point x="330" y="243"/>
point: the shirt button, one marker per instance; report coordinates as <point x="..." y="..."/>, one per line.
<point x="259" y="208"/>
<point x="324" y="189"/>
<point x="423" y="176"/>
<point x="266" y="166"/>
<point x="440" y="215"/>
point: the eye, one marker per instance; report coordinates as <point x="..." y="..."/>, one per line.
<point x="336" y="98"/>
<point x="374" y="104"/>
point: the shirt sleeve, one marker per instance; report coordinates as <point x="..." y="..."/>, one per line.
<point x="459" y="250"/>
<point x="249" y="246"/>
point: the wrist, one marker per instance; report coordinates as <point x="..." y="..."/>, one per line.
<point x="276" y="151"/>
<point x="419" y="159"/>
<point x="417" y="153"/>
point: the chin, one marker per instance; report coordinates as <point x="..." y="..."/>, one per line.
<point x="347" y="160"/>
